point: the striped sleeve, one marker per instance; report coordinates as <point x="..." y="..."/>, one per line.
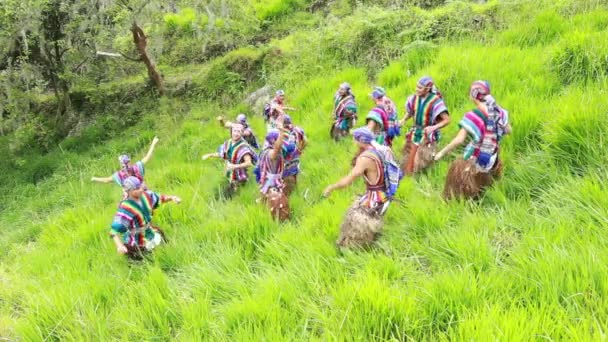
<point x="221" y="150"/>
<point x="139" y="166"/>
<point x="474" y="126"/>
<point x="116" y="178"/>
<point x="438" y="108"/>
<point x="120" y="224"/>
<point x="156" y="199"/>
<point x="409" y="105"/>
<point x="376" y="117"/>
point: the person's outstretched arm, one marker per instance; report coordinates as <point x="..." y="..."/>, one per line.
<point x="458" y="140"/>
<point x="150" y="151"/>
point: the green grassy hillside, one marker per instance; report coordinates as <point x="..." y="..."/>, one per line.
<point x="527" y="262"/>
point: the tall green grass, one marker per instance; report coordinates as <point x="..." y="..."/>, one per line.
<point x="527" y="262"/>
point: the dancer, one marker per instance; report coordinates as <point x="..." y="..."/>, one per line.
<point x="238" y="156"/>
<point x="363" y="221"/>
<point x="132" y="229"/>
<point x="345" y="112"/>
<point x="127" y="169"/>
<point x="485" y="126"/>
<point x="430" y="115"/>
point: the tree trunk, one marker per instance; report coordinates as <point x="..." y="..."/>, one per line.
<point x="139" y="39"/>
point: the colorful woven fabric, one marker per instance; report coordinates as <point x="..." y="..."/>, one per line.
<point x="379" y="116"/>
<point x="136" y="170"/>
<point x="474" y="122"/>
<point x="271" y="172"/>
<point x="393" y="129"/>
<point x="425" y="111"/>
<point x="292" y="152"/>
<point x="235" y="153"/>
<point x="375" y="195"/>
<point x="345" y="110"/>
<point x="133" y="218"/>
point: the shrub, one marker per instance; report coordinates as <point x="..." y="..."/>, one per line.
<point x="544" y="29"/>
<point x="581" y="58"/>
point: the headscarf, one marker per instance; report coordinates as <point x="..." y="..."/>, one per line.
<point x="345" y="86"/>
<point x="378" y="92"/>
<point x="287" y="120"/>
<point x="480" y="90"/>
<point x="280" y="92"/>
<point x="363" y="135"/>
<point x="427" y="82"/>
<point x="124" y="160"/>
<point x="271" y="138"/>
<point x="131" y="183"/>
<point x="242" y="119"/>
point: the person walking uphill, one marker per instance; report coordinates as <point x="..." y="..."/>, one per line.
<point x="485" y="126"/>
<point x="131" y="228"/>
<point x="430" y="114"/>
<point x="363" y="221"/>
<point x="129" y="170"/>
<point x="345" y="112"/>
<point x="238" y="156"/>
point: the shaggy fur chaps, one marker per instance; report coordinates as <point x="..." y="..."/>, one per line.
<point x="360" y="228"/>
<point x="423" y="159"/>
<point x="278" y="205"/>
<point x="465" y="181"/>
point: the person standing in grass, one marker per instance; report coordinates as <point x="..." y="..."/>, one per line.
<point x="279" y="100"/>
<point x="430" y="114"/>
<point x="131" y="228"/>
<point x="238" y="156"/>
<point x="480" y="166"/>
<point x="129" y="170"/>
<point x="248" y="134"/>
<point x="393" y="129"/>
<point x="345" y="112"/>
<point x="363" y="221"/>
<point x="293" y="146"/>
<point x="269" y="172"/>
<point x="377" y="118"/>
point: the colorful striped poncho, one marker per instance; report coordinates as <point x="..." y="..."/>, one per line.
<point x="379" y="116"/>
<point x="375" y="196"/>
<point x="425" y="111"/>
<point x="235" y="153"/>
<point x="474" y="122"/>
<point x="393" y="130"/>
<point x="345" y="110"/>
<point x="292" y="152"/>
<point x="132" y="221"/>
<point x="271" y="173"/>
<point x="137" y="170"/>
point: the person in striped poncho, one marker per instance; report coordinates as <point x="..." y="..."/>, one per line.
<point x="345" y="112"/>
<point x="485" y="126"/>
<point x="238" y="156"/>
<point x="131" y="228"/>
<point x="129" y="170"/>
<point x="430" y="114"/>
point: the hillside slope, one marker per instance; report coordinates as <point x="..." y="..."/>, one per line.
<point x="526" y="262"/>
